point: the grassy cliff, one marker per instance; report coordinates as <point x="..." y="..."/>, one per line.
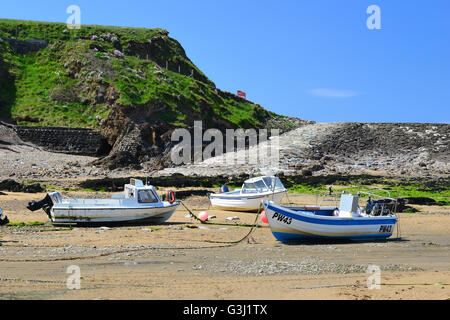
<point x="73" y="78"/>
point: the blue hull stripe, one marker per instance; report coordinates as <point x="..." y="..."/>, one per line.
<point x="282" y="236"/>
<point x="238" y="198"/>
<point x="332" y="221"/>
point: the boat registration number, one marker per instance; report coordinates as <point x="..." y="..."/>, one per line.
<point x="385" y="229"/>
<point x="282" y="218"/>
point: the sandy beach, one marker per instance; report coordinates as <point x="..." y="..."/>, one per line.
<point x="183" y="259"/>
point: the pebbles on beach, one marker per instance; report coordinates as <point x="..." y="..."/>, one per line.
<point x="308" y="265"/>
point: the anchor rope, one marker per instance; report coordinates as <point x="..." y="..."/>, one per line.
<point x="289" y="200"/>
<point x="252" y="226"/>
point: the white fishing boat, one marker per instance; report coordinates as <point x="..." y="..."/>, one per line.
<point x="250" y="196"/>
<point x="138" y="203"/>
<point x="348" y="221"/>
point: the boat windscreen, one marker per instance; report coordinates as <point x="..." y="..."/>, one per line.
<point x="278" y="184"/>
<point x="146" y="196"/>
<point x="270" y="183"/>
<point x="255" y="187"/>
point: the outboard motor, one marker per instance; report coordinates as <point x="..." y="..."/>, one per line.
<point x="378" y="207"/>
<point x="3" y="221"/>
<point x="46" y="204"/>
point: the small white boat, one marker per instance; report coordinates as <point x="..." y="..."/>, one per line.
<point x="348" y="221"/>
<point x="138" y="203"/>
<point x="250" y="196"/>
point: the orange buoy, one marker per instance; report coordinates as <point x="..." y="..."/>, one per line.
<point x="203" y="216"/>
<point x="263" y="217"/>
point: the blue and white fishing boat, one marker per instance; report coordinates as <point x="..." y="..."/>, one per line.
<point x="348" y="221"/>
<point x="250" y="196"/>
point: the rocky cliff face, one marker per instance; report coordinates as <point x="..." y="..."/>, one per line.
<point x="168" y="56"/>
<point x="139" y="135"/>
<point x="385" y="139"/>
<point x="134" y="137"/>
<point x="404" y="148"/>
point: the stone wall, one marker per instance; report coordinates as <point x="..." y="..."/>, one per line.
<point x="64" y="140"/>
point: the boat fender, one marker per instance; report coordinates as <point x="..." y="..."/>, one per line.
<point x="170" y="196"/>
<point x="336" y="213"/>
<point x="224" y="189"/>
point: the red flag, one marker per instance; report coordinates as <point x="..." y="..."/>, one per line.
<point x="242" y="94"/>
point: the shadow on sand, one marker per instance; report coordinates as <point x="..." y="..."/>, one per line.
<point x="340" y="241"/>
<point x="118" y="224"/>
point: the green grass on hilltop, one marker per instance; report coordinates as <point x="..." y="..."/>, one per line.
<point x="52" y="32"/>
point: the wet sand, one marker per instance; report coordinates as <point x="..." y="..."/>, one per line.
<point x="177" y="260"/>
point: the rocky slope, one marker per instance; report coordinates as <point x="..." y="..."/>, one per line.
<point x="409" y="149"/>
<point x="314" y="151"/>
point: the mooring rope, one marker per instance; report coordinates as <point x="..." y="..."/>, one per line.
<point x="252" y="226"/>
<point x="399" y="233"/>
<point x="219" y="224"/>
<point x="289" y="200"/>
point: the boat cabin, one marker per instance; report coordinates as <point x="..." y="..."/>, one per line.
<point x="262" y="184"/>
<point x="142" y="193"/>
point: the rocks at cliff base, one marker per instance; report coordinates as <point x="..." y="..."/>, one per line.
<point x="8" y="135"/>
<point x="424" y="201"/>
<point x="132" y="139"/>
<point x="13" y="186"/>
<point x="120" y="159"/>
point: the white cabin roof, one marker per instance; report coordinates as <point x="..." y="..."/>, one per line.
<point x="137" y="184"/>
<point x="251" y="180"/>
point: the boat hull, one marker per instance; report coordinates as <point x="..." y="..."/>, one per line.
<point x="289" y="225"/>
<point x="67" y="214"/>
<point x="242" y="202"/>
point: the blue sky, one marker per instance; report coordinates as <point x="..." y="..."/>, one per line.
<point x="314" y="60"/>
